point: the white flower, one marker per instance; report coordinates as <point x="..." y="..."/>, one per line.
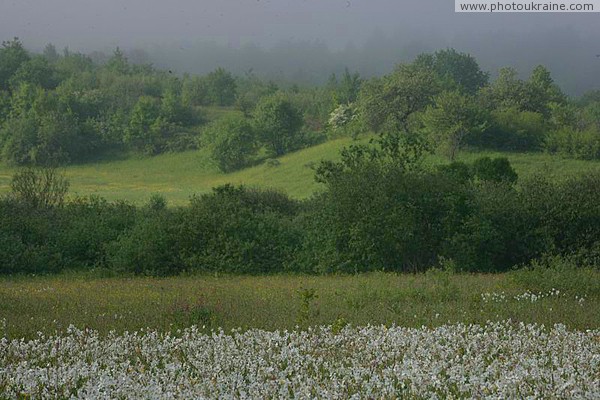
<point x="498" y="360"/>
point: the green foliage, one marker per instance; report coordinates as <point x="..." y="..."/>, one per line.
<point x="25" y="239"/>
<point x="50" y="53"/>
<point x="307" y="297"/>
<point x="515" y="130"/>
<point x="250" y="89"/>
<point x="344" y="121"/>
<point x="370" y="217"/>
<point x="375" y="215"/>
<point x="483" y="169"/>
<point x="157" y="203"/>
<point x="118" y="63"/>
<point x="451" y="119"/>
<point x="345" y="90"/>
<point x="507" y="91"/>
<point x="589" y="97"/>
<point x="87" y="227"/>
<point x="12" y="56"/>
<point x="458" y="71"/>
<point x="173" y="110"/>
<point x="570" y="142"/>
<point x="494" y="170"/>
<point x="387" y="104"/>
<point x="195" y="91"/>
<point x="233" y="143"/>
<point x="42" y="129"/>
<point x="36" y="71"/>
<point x="500" y="231"/>
<point x="221" y="87"/>
<point x="139" y="134"/>
<point x="591" y="115"/>
<point x="240" y="230"/>
<point x="39" y="187"/>
<point x="278" y="124"/>
<point x="536" y="95"/>
<point x="558" y="273"/>
<point x="542" y="92"/>
<point x="18" y="138"/>
<point x="151" y="247"/>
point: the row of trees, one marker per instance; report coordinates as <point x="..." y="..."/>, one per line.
<point x="379" y="210"/>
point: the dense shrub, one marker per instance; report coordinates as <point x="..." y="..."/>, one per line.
<point x="369" y="217"/>
<point x="151" y="247"/>
<point x="494" y="170"/>
<point x="278" y="124"/>
<point x="233" y="143"/>
<point x="374" y="219"/>
<point x="580" y="144"/>
<point x="240" y="230"/>
<point x="88" y="227"/>
<point x="26" y="244"/>
<point x="499" y="232"/>
<point x="512" y="129"/>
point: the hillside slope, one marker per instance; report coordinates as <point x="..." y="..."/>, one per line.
<point x="178" y="176"/>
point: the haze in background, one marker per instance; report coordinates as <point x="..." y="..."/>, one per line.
<point x="305" y="40"/>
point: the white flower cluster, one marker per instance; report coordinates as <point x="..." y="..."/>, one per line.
<point x="498" y="360"/>
<point x="342" y="115"/>
<point x="528" y="296"/>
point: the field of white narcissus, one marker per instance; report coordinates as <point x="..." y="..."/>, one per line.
<point x="498" y="360"/>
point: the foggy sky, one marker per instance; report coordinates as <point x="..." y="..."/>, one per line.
<point x="87" y="25"/>
<point x="83" y="23"/>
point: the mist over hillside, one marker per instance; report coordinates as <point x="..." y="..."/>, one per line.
<point x="571" y="58"/>
<point x="305" y="41"/>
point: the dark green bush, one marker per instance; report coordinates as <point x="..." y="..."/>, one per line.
<point x="233" y="143"/>
<point x="499" y="232"/>
<point x="513" y="130"/>
<point x="240" y="230"/>
<point x="151" y="247"/>
<point x="88" y="226"/>
<point x="494" y="170"/>
<point x="27" y="239"/>
<point x="394" y="220"/>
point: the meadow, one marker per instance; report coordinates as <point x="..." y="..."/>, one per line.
<point x="527" y="333"/>
<point x="403" y="277"/>
<point x="177" y="176"/>
<point x="50" y="304"/>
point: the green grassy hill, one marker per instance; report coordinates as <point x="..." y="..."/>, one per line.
<point x="178" y="176"/>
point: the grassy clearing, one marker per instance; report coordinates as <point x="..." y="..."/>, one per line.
<point x="178" y="176"/>
<point x="50" y="304"/>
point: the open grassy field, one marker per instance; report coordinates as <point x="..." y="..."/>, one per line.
<point x="50" y="304"/>
<point x="180" y="175"/>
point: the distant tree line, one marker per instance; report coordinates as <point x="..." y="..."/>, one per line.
<point x="59" y="108"/>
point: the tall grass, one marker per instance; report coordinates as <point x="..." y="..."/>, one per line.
<point x="50" y="304"/>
